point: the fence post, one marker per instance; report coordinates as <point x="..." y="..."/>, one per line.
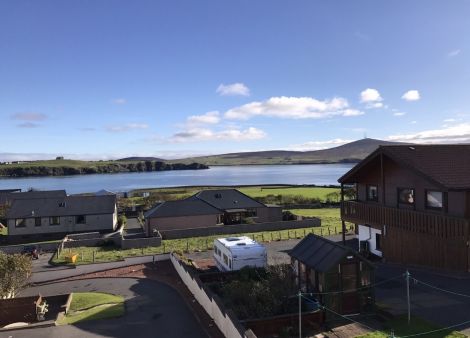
<point x="142" y="251"/>
<point x="304" y="233"/>
<point x="271" y="236"/>
<point x="329" y="231"/>
<point x="187" y="245"/>
<point x="280" y="235"/>
<point x="93" y="256"/>
<point x="262" y="236"/>
<point x="321" y="232"/>
<point x="207" y="246"/>
<point x="163" y="247"/>
<point x="336" y="231"/>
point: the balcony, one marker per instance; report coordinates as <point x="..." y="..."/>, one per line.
<point x="421" y="222"/>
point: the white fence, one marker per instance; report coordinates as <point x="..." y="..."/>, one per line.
<point x="226" y="321"/>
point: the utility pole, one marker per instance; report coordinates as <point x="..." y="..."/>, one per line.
<point x="408" y="295"/>
<point x="300" y="314"/>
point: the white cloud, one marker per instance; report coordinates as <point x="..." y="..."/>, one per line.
<point x="414" y="122"/>
<point x="203" y="134"/>
<point x="119" y="101"/>
<point x="127" y="127"/>
<point x="233" y="89"/>
<point x="453" y="53"/>
<point x="411" y="95"/>
<point x="451" y="134"/>
<point x="370" y="95"/>
<point x="29" y="116"/>
<point x="212" y="117"/>
<point x="399" y="113"/>
<point x="318" y="145"/>
<point x="293" y="108"/>
<point x="28" y="125"/>
<point x="450" y="120"/>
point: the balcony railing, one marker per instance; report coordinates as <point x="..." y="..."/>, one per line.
<point x="422" y="222"/>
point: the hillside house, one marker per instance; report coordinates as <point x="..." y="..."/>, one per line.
<point x="412" y="204"/>
<point x="54" y="217"/>
<point x="209" y="208"/>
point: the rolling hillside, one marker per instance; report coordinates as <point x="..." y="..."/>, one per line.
<point x="347" y="153"/>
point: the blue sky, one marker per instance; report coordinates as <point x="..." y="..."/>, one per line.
<point x="104" y="79"/>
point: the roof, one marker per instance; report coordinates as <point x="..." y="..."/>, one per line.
<point x="224" y="199"/>
<point x="182" y="208"/>
<point x="446" y="165"/>
<point x="65" y="206"/>
<point x="6" y="196"/>
<point x="245" y="241"/>
<point x="321" y="254"/>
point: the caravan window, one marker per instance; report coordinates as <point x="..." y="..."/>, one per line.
<point x="225" y="259"/>
<point x="230" y="263"/>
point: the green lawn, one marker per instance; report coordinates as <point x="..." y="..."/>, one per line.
<point x="111" y="253"/>
<point x="307" y="192"/>
<point x="93" y="306"/>
<point x="255" y="191"/>
<point x="401" y="328"/>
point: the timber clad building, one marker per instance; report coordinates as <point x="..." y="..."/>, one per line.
<point x="412" y="204"/>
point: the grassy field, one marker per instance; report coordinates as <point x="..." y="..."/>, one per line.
<point x="254" y="191"/>
<point x="87" y="255"/>
<point x="4" y="231"/>
<point x="93" y="306"/>
<point x="401" y="328"/>
<point x="330" y="217"/>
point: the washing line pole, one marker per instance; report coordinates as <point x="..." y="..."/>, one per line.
<point x="408" y="294"/>
<point x="300" y="314"/>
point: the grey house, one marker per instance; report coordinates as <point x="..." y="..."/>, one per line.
<point x="38" y="218"/>
<point x="209" y="208"/>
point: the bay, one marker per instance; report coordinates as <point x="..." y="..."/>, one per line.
<point x="318" y="174"/>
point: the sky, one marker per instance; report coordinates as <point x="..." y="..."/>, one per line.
<point x="107" y="79"/>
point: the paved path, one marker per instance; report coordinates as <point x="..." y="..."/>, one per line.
<point x="153" y="309"/>
<point x="50" y="275"/>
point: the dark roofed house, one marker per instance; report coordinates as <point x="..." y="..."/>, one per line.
<point x="323" y="266"/>
<point x="412" y="204"/>
<point x="181" y="215"/>
<point x="209" y="208"/>
<point x="57" y="216"/>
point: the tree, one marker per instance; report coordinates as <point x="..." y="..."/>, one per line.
<point x="14" y="272"/>
<point x="333" y="196"/>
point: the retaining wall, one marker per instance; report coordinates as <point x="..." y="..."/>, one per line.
<point x="42" y="247"/>
<point x="240" y="228"/>
<point x="225" y="320"/>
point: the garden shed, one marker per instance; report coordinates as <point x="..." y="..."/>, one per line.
<point x="336" y="275"/>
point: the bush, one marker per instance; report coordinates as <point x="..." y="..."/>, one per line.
<point x="122" y="220"/>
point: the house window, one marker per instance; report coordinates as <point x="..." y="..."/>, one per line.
<point x="378" y="244"/>
<point x="37" y="221"/>
<point x="434" y="199"/>
<point x="372" y="194"/>
<point x="406" y="196"/>
<point x="20" y="223"/>
<point x="55" y="220"/>
<point x="81" y="219"/>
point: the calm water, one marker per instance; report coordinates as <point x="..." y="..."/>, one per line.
<point x="319" y="174"/>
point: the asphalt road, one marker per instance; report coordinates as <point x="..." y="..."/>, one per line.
<point x="152" y="310"/>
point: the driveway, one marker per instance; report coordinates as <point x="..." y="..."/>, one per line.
<point x="153" y="309"/>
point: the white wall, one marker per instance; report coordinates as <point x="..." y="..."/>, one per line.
<point x="367" y="233"/>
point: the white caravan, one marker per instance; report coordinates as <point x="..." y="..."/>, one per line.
<point x="234" y="253"/>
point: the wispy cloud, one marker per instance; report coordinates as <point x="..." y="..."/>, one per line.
<point x="318" y="145"/>
<point x="399" y="113"/>
<point x="28" y="125"/>
<point x="87" y="129"/>
<point x="212" y="117"/>
<point x="204" y="134"/>
<point x="411" y="95"/>
<point x="119" y="101"/>
<point x="293" y="108"/>
<point x="451" y="134"/>
<point x="453" y="53"/>
<point x="234" y="89"/>
<point x="127" y="127"/>
<point x="29" y="116"/>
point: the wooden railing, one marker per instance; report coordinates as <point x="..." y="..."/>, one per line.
<point x="415" y="221"/>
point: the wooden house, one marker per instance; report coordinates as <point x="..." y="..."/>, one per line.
<point x="336" y="275"/>
<point x="412" y="204"/>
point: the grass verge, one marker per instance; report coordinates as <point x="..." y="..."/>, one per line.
<point x="400" y="327"/>
<point x="93" y="306"/>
